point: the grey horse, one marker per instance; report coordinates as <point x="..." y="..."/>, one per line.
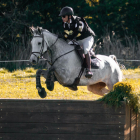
<point x="66" y="65"/>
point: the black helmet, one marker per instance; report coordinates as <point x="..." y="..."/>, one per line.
<point x="66" y="11"/>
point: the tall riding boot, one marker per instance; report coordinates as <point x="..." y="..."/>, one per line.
<point x="88" y="74"/>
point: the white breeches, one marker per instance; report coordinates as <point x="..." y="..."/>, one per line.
<point x="86" y="43"/>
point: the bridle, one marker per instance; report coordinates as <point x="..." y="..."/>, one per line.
<point x="42" y="48"/>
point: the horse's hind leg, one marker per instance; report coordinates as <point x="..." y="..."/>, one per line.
<point x="116" y="77"/>
<point x="110" y="86"/>
<point x="98" y="88"/>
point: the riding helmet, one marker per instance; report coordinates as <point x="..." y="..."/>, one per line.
<point x="66" y="11"/>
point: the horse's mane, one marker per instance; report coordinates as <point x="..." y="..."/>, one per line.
<point x="45" y="30"/>
<point x="36" y="31"/>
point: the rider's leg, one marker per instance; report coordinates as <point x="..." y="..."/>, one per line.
<point x="88" y="61"/>
<point x="88" y="74"/>
<point x="88" y="42"/>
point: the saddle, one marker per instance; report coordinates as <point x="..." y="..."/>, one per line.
<point x="94" y="60"/>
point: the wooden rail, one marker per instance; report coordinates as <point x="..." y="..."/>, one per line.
<point x="66" y="120"/>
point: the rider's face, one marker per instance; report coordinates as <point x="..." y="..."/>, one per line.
<point x="65" y="18"/>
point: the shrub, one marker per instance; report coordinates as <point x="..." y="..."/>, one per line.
<point x="122" y="91"/>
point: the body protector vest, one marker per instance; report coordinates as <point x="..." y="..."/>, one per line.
<point x="77" y="29"/>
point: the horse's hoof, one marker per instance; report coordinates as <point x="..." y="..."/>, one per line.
<point x="50" y="86"/>
<point x="42" y="93"/>
<point x="74" y="88"/>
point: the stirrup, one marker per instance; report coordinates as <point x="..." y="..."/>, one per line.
<point x="88" y="74"/>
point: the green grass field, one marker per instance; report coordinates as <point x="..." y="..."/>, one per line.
<point x="21" y="84"/>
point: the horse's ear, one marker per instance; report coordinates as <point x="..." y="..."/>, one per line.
<point x="39" y="30"/>
<point x="32" y="29"/>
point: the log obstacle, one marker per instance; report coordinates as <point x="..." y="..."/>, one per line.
<point x="66" y="120"/>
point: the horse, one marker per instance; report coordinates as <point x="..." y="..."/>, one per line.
<point x="65" y="65"/>
<point x="122" y="67"/>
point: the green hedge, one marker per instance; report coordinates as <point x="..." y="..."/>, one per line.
<point x="123" y="91"/>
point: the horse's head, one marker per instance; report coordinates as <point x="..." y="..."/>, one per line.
<point x="38" y="44"/>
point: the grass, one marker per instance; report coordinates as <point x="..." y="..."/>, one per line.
<point x="21" y="84"/>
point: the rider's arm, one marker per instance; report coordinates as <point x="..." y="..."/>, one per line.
<point x="79" y="25"/>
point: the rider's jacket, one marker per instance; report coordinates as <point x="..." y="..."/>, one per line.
<point x="77" y="29"/>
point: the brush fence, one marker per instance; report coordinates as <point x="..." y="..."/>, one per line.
<point x="66" y="120"/>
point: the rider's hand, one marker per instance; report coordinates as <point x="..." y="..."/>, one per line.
<point x="70" y="43"/>
<point x="73" y="42"/>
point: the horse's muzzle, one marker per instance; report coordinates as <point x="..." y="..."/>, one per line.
<point x="34" y="59"/>
<point x="34" y="62"/>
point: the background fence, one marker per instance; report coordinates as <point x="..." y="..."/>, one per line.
<point x="108" y="44"/>
<point x="119" y="36"/>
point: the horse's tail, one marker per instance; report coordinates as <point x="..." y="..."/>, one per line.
<point x="120" y="66"/>
<point x="114" y="58"/>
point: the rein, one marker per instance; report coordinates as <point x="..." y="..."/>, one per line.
<point x="61" y="56"/>
<point x="42" y="48"/>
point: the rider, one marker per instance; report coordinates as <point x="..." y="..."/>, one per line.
<point x="76" y="28"/>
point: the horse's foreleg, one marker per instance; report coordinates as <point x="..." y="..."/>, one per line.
<point x="44" y="73"/>
<point x="41" y="91"/>
<point x="49" y="76"/>
<point x="50" y="79"/>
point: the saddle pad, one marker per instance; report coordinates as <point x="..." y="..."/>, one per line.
<point x="95" y="64"/>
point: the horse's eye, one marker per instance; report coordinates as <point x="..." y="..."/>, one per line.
<point x="39" y="43"/>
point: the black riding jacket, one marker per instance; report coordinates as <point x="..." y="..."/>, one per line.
<point x="77" y="29"/>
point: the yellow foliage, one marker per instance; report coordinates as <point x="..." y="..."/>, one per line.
<point x="123" y="91"/>
<point x="123" y="86"/>
<point x="22" y="84"/>
<point x="131" y="71"/>
<point x="3" y="70"/>
<point x="90" y="3"/>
